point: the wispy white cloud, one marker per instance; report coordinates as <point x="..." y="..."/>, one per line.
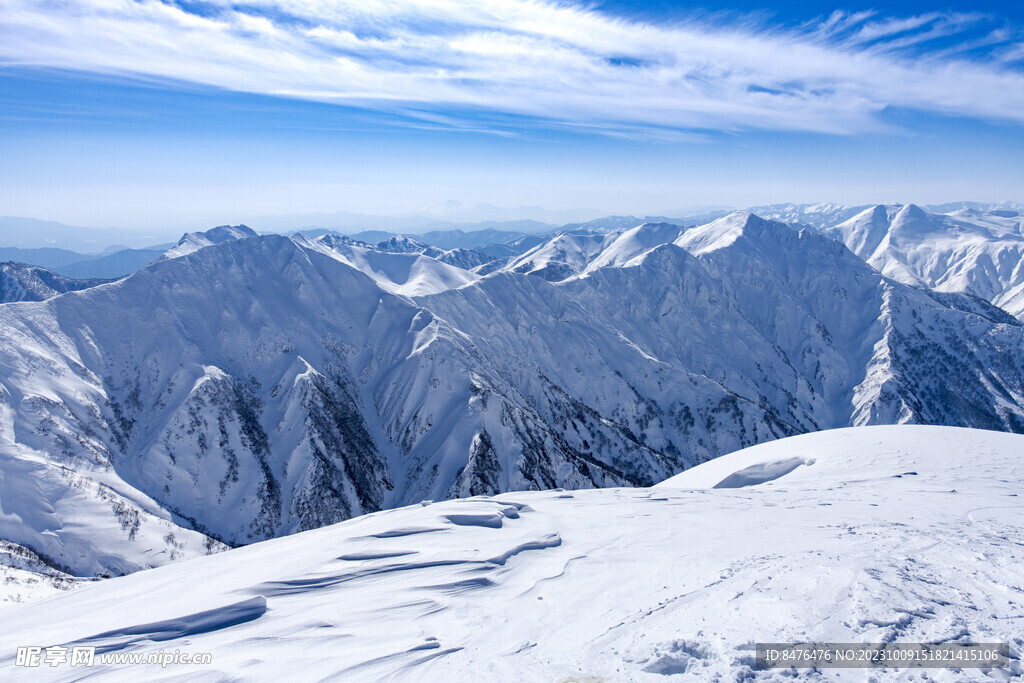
<point x="564" y="64"/>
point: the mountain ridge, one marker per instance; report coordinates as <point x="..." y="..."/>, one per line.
<point x="266" y="385"/>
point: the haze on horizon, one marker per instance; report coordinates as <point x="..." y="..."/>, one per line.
<point x="161" y="114"/>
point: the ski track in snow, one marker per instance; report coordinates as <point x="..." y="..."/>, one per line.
<point x="879" y="534"/>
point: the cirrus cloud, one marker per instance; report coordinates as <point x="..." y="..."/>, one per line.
<point x="562" y="64"/>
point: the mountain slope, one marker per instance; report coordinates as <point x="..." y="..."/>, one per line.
<point x="815" y="216"/>
<point x="265" y="386"/>
<point x="964" y="251"/>
<point x="605" y="397"/>
<point x="904" y="533"/>
<point x="256" y="389"/>
<point x="21" y="282"/>
<point x="399" y="265"/>
<point x="914" y="360"/>
<point x="466" y="259"/>
<point x="576" y="252"/>
<point x="562" y="256"/>
<point x="194" y="241"/>
<point x="796" y="324"/>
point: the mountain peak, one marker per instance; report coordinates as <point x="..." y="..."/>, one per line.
<point x="194" y="241"/>
<point x="912" y="219"/>
<point x="401" y="244"/>
<point x="224" y="233"/>
<point x="723" y="232"/>
<point x="912" y="211"/>
<point x="653" y="227"/>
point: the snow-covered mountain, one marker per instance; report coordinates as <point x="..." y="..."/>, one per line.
<point x="254" y="389"/>
<point x="753" y="303"/>
<point x="264" y="385"/>
<point x="574" y="252"/>
<point x="983" y="207"/>
<point x="966" y="247"/>
<point x="402" y="244"/>
<point x="963" y="251"/>
<point x="566" y="254"/>
<point x="817" y="216"/>
<point x="399" y="265"/>
<point x="460" y="257"/>
<point x="22" y="282"/>
<point x="861" y="535"/>
<point x="194" y="241"/>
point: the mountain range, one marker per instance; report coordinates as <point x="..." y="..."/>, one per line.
<point x="962" y="251"/>
<point x="244" y="387"/>
<point x="965" y="247"/>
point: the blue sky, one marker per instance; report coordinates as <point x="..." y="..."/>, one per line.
<point x="188" y="114"/>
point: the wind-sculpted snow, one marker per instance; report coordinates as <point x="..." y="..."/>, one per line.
<point x="882" y="534"/>
<point x="264" y="386"/>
